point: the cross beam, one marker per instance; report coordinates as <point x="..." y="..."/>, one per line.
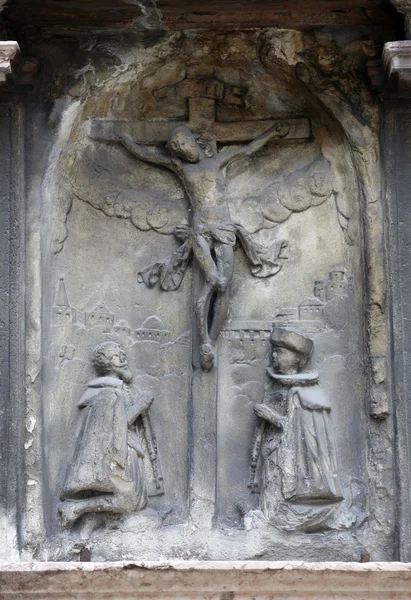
<point x="201" y="121"/>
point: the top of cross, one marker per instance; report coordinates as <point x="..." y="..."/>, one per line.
<point x="202" y="93"/>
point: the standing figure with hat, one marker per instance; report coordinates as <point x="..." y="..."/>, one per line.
<point x="301" y="488"/>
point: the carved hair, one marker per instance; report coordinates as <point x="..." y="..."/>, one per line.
<point x="206" y="146"/>
<point x="103" y="355"/>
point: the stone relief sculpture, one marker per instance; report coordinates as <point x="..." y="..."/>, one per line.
<point x="212" y="234"/>
<point x="132" y="171"/>
<point x="154" y="166"/>
<point x="265" y="208"/>
<point x="62" y="312"/>
<point x="210" y="229"/>
<point x="106" y="473"/>
<point x="301" y="481"/>
<point x="192" y="155"/>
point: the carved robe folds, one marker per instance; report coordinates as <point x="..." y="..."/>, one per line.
<point x="310" y="457"/>
<point x="302" y="488"/>
<point x="108" y="457"/>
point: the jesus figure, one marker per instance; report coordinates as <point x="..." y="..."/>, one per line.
<point x="212" y="233"/>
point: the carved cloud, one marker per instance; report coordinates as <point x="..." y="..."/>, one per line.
<point x="295" y="193"/>
<point x="106" y="182"/>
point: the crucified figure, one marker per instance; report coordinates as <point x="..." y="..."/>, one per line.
<point x="212" y="232"/>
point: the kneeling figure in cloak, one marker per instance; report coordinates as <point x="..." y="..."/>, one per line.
<point x="106" y="474"/>
<point x="301" y="487"/>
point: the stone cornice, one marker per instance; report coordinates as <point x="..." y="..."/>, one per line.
<point x="397" y="66"/>
<point x="17" y="74"/>
<point x="200" y="580"/>
<point x="397" y="55"/>
<point x="9" y="59"/>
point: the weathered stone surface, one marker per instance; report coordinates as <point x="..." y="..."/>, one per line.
<point x="9" y="57"/>
<point x="197" y="580"/>
<point x="205" y="213"/>
<point x="302" y="197"/>
<point x="397" y="65"/>
<point x="16" y="74"/>
<point x="185" y="14"/>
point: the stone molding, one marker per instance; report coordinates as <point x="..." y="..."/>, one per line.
<point x="397" y="65"/>
<point x="16" y="73"/>
<point x="9" y="56"/>
<point x="397" y="55"/>
<point x="206" y="580"/>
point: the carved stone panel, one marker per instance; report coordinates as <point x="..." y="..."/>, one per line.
<point x="201" y="207"/>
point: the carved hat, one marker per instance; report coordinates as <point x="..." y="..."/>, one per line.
<point x="287" y="338"/>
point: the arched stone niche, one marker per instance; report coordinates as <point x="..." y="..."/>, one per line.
<point x="105" y="215"/>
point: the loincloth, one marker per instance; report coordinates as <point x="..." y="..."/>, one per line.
<point x="169" y="273"/>
<point x="224" y="233"/>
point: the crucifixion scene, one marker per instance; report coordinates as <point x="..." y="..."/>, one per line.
<point x="201" y="212"/>
<point x="190" y="151"/>
<point x="206" y="291"/>
<point x="212" y="234"/>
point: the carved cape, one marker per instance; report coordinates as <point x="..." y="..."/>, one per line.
<point x="308" y="451"/>
<point x="107" y="456"/>
<point x="305" y="457"/>
<point x="310" y="470"/>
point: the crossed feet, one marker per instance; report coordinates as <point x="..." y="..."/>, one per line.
<point x="207" y="357"/>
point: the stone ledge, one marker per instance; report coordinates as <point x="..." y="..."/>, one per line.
<point x="9" y="57"/>
<point x="207" y="580"/>
<point x="397" y="66"/>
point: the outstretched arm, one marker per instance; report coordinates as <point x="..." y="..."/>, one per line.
<point x="279" y="130"/>
<point x="144" y="154"/>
